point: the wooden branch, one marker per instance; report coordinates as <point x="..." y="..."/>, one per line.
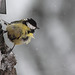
<point x="7" y="60"/>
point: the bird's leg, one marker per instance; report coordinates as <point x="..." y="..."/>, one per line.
<point x="11" y="49"/>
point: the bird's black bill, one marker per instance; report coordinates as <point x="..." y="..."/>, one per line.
<point x="37" y="28"/>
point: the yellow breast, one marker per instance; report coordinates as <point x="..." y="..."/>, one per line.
<point x="16" y="31"/>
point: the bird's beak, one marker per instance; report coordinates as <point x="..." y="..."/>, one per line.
<point x="37" y="28"/>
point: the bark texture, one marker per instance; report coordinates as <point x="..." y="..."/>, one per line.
<point x="7" y="60"/>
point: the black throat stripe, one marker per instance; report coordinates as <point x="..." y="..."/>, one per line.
<point x="25" y="39"/>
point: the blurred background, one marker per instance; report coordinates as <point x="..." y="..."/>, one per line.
<point x="52" y="52"/>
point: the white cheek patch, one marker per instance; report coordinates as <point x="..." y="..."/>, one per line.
<point x="30" y="26"/>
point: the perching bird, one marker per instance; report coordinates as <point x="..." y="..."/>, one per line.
<point x="20" y="32"/>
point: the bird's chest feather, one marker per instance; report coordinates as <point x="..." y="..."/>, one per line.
<point x="16" y="31"/>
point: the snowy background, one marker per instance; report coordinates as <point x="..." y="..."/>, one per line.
<point x="52" y="52"/>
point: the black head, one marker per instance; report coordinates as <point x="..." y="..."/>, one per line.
<point x="31" y="23"/>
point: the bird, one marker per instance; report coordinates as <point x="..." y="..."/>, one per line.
<point x="21" y="31"/>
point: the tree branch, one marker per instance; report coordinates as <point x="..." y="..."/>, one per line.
<point x="7" y="60"/>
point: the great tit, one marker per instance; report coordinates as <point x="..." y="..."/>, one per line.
<point x="21" y="31"/>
